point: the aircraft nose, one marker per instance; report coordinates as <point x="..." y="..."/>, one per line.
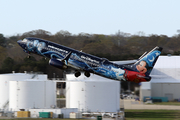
<point x="21" y="44"/>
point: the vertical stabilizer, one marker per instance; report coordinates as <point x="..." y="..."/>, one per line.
<point x="146" y="63"/>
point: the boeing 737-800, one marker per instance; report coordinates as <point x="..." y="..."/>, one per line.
<point x="64" y="58"/>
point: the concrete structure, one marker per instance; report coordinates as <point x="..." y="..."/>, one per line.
<point x="169" y="90"/>
<point x="93" y="94"/>
<point x="145" y="89"/>
<point x="165" y="80"/>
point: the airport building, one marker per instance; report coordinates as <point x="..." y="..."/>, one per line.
<point x="165" y="83"/>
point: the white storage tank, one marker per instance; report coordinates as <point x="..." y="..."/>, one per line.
<point x="93" y="94"/>
<point x="4" y="86"/>
<point x="31" y="94"/>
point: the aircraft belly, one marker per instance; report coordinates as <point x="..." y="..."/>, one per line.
<point x="70" y="65"/>
<point x="113" y="73"/>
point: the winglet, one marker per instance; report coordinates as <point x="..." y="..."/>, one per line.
<point x="65" y="60"/>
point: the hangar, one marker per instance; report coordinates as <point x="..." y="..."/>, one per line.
<point x="165" y="82"/>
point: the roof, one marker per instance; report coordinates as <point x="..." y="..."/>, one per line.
<point x="164" y="81"/>
<point x="83" y="78"/>
<point x="14" y="74"/>
<point x="168" y="62"/>
<point x="166" y="69"/>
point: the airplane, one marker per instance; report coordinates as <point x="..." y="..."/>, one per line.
<point x="66" y="58"/>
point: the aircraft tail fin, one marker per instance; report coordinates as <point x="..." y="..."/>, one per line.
<point x="146" y="62"/>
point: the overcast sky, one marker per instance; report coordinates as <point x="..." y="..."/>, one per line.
<point x="90" y="16"/>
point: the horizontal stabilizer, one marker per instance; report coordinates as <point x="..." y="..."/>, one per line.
<point x="126" y="62"/>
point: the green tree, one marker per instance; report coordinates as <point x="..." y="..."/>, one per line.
<point x="63" y="37"/>
<point x="31" y="61"/>
<point x="42" y="65"/>
<point x="37" y="33"/>
<point x="2" y="40"/>
<point x="7" y="65"/>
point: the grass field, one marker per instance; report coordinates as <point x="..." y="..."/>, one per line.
<point x="167" y="103"/>
<point x="132" y="115"/>
<point x="42" y="119"/>
<point x="152" y="114"/>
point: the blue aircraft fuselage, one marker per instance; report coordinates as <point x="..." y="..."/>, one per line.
<point x="65" y="57"/>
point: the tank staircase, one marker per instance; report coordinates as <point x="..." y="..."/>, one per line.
<point x="34" y="75"/>
<point x="6" y="105"/>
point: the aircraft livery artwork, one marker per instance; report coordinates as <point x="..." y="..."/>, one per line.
<point x="64" y="58"/>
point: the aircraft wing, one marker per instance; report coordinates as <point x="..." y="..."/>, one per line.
<point x="124" y="62"/>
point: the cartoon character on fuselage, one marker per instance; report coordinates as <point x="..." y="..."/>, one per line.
<point x="141" y="67"/>
<point x="64" y="57"/>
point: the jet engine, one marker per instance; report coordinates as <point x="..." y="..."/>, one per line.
<point x="57" y="63"/>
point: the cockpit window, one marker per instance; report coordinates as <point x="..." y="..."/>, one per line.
<point x="24" y="40"/>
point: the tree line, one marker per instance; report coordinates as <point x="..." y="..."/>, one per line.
<point x="118" y="46"/>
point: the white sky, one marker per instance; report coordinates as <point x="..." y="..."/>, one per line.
<point x="90" y="16"/>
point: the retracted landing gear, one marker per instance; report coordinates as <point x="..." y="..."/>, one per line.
<point x="87" y="74"/>
<point x="77" y="74"/>
<point x="29" y="55"/>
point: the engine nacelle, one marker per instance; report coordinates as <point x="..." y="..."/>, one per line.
<point x="136" y="76"/>
<point x="57" y="63"/>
